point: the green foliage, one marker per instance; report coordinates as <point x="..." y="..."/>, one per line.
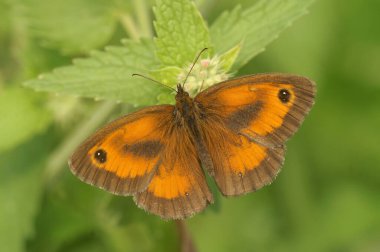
<point x="181" y="32"/>
<point x="255" y="27"/>
<point x="325" y="199"/>
<point x="228" y="58"/>
<point x="106" y="75"/>
<point x="167" y="75"/>
<point x="55" y="23"/>
<point x="21" y="187"/>
<point x="22" y="116"/>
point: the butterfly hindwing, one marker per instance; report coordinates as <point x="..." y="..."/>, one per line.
<point x="178" y="188"/>
<point x="246" y="123"/>
<point x="238" y="164"/>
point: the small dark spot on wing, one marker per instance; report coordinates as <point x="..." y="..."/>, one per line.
<point x="284" y="95"/>
<point x="101" y="156"/>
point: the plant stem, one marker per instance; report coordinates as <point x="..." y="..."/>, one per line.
<point x="187" y="244"/>
<point x="130" y="26"/>
<point x="141" y="28"/>
<point x="143" y="18"/>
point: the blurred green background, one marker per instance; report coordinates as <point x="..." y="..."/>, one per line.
<point x="325" y="199"/>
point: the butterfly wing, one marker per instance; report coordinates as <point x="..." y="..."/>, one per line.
<point x="178" y="189"/>
<point x="147" y="155"/>
<point x="245" y="124"/>
<point x="123" y="156"/>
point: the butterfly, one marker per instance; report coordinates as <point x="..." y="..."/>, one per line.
<point x="235" y="131"/>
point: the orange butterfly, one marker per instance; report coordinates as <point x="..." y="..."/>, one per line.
<point x="235" y="130"/>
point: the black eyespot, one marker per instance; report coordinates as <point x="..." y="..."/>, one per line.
<point x="284" y="95"/>
<point x="101" y="156"/>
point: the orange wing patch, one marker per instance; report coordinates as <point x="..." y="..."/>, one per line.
<point x="178" y="188"/>
<point x="244" y="157"/>
<point x="169" y="183"/>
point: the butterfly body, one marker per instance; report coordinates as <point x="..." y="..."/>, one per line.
<point x="235" y="131"/>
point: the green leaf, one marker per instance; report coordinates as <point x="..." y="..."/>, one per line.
<point x="229" y="57"/>
<point x="73" y="26"/>
<point x="166" y="98"/>
<point x="22" y="116"/>
<point x="167" y="75"/>
<point x="256" y="26"/>
<point x="37" y="59"/>
<point x="107" y="75"/>
<point x="21" y="184"/>
<point x="181" y="32"/>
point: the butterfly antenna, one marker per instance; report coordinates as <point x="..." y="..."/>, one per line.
<point x="192" y="66"/>
<point x="145" y="77"/>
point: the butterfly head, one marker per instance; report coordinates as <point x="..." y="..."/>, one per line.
<point x="181" y="90"/>
<point x="184" y="103"/>
<point x="182" y="95"/>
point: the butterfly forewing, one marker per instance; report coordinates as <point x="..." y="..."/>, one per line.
<point x="123" y="156"/>
<point x="246" y="123"/>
